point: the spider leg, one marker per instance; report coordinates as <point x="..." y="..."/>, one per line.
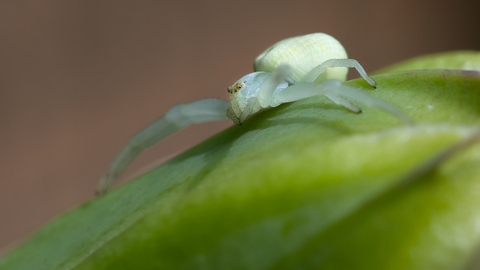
<point x="176" y="118"/>
<point x="313" y="74"/>
<point x="333" y="96"/>
<point x="269" y="85"/>
<point x="338" y="92"/>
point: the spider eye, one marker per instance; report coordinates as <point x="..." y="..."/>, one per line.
<point x="235" y="87"/>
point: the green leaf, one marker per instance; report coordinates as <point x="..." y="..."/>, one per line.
<point x="465" y="60"/>
<point x="301" y="186"/>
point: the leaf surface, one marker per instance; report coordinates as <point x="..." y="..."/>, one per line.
<point x="301" y="186"/>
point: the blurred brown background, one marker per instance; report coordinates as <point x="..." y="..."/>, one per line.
<point x="77" y="78"/>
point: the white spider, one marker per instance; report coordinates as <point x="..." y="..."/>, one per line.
<point x="291" y="70"/>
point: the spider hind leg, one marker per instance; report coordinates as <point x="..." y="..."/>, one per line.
<point x="339" y="93"/>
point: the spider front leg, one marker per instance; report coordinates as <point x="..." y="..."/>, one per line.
<point x="268" y="86"/>
<point x="313" y="74"/>
<point x="334" y="89"/>
<point x="176" y="118"/>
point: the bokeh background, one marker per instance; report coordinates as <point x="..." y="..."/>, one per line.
<point x="78" y="78"/>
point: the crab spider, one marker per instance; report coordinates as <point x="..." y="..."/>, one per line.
<point x="291" y="70"/>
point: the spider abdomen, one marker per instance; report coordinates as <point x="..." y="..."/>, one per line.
<point x="302" y="54"/>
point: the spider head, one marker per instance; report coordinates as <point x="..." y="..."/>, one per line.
<point x="244" y="96"/>
<point x="235" y="87"/>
